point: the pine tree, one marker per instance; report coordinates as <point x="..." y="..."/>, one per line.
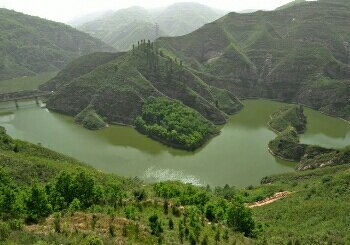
<point x="166" y="207"/>
<point x="171" y="224"/>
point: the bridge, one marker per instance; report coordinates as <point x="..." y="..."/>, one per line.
<point x="24" y="95"/>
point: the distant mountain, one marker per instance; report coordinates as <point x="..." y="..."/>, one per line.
<point x="125" y="27"/>
<point x="88" y="17"/>
<point x="297" y="54"/>
<point x="30" y="45"/>
<point x="247" y="11"/>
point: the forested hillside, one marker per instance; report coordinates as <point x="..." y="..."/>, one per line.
<point x="296" y="54"/>
<point x="31" y="45"/>
<point x="117" y="86"/>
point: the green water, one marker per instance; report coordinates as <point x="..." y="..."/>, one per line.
<point x="238" y="156"/>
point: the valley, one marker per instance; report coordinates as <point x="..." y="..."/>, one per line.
<point x="175" y="123"/>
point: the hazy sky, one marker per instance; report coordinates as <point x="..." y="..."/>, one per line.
<point x="65" y="10"/>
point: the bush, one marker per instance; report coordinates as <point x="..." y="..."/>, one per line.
<point x="37" y="205"/>
<point x="155" y="225"/>
<point x="240" y="218"/>
<point x="93" y="240"/>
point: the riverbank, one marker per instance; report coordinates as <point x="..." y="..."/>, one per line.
<point x="296" y="103"/>
<point x="287" y="144"/>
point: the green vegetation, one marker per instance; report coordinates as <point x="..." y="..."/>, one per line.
<point x="288" y="116"/>
<point x="49" y="198"/>
<point x="288" y="122"/>
<point x="124" y="27"/>
<point x="286" y="55"/>
<point x="116" y="87"/>
<point x="78" y="68"/>
<point x="314" y="213"/>
<point x="173" y="123"/>
<point x="90" y="119"/>
<point x="25" y="83"/>
<point x="30" y="45"/>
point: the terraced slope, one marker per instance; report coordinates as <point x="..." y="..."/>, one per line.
<point x="298" y="54"/>
<point x="31" y="45"/>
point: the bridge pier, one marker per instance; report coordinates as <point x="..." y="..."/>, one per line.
<point x="16" y="103"/>
<point x="36" y="100"/>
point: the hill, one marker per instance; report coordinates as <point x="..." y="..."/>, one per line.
<point x="288" y="122"/>
<point x="31" y="45"/>
<point x="127" y="26"/>
<point x="291" y="4"/>
<point x="297" y="54"/>
<point x="116" y="87"/>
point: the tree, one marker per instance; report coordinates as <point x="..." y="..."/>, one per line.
<point x="166" y="207"/>
<point x="62" y="193"/>
<point x="7" y="202"/>
<point x="210" y="211"/>
<point x="57" y="222"/>
<point x="83" y="188"/>
<point x="181" y="231"/>
<point x="192" y="238"/>
<point x="240" y="218"/>
<point x="171" y="224"/>
<point x="225" y="235"/>
<point x="205" y="240"/>
<point x="155" y="225"/>
<point x="217" y="236"/>
<point x="37" y="204"/>
<point x="140" y="194"/>
<point x="130" y="212"/>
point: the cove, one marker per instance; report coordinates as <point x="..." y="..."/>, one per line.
<point x="238" y="156"/>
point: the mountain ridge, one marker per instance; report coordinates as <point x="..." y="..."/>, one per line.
<point x="31" y="45"/>
<point x="126" y="26"/>
<point x="298" y="54"/>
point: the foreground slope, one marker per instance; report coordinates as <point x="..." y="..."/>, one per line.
<point x="297" y="54"/>
<point x="31" y="45"/>
<point x="126" y="26"/>
<point x="49" y="198"/>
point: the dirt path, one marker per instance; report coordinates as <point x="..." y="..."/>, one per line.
<point x="275" y="197"/>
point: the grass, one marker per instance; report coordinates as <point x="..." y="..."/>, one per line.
<point x="26" y="82"/>
<point x="315" y="212"/>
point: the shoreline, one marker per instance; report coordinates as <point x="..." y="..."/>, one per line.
<point x="295" y="103"/>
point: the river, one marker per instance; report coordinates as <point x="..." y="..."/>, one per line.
<point x="238" y="156"/>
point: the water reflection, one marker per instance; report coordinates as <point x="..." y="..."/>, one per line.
<point x="238" y="156"/>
